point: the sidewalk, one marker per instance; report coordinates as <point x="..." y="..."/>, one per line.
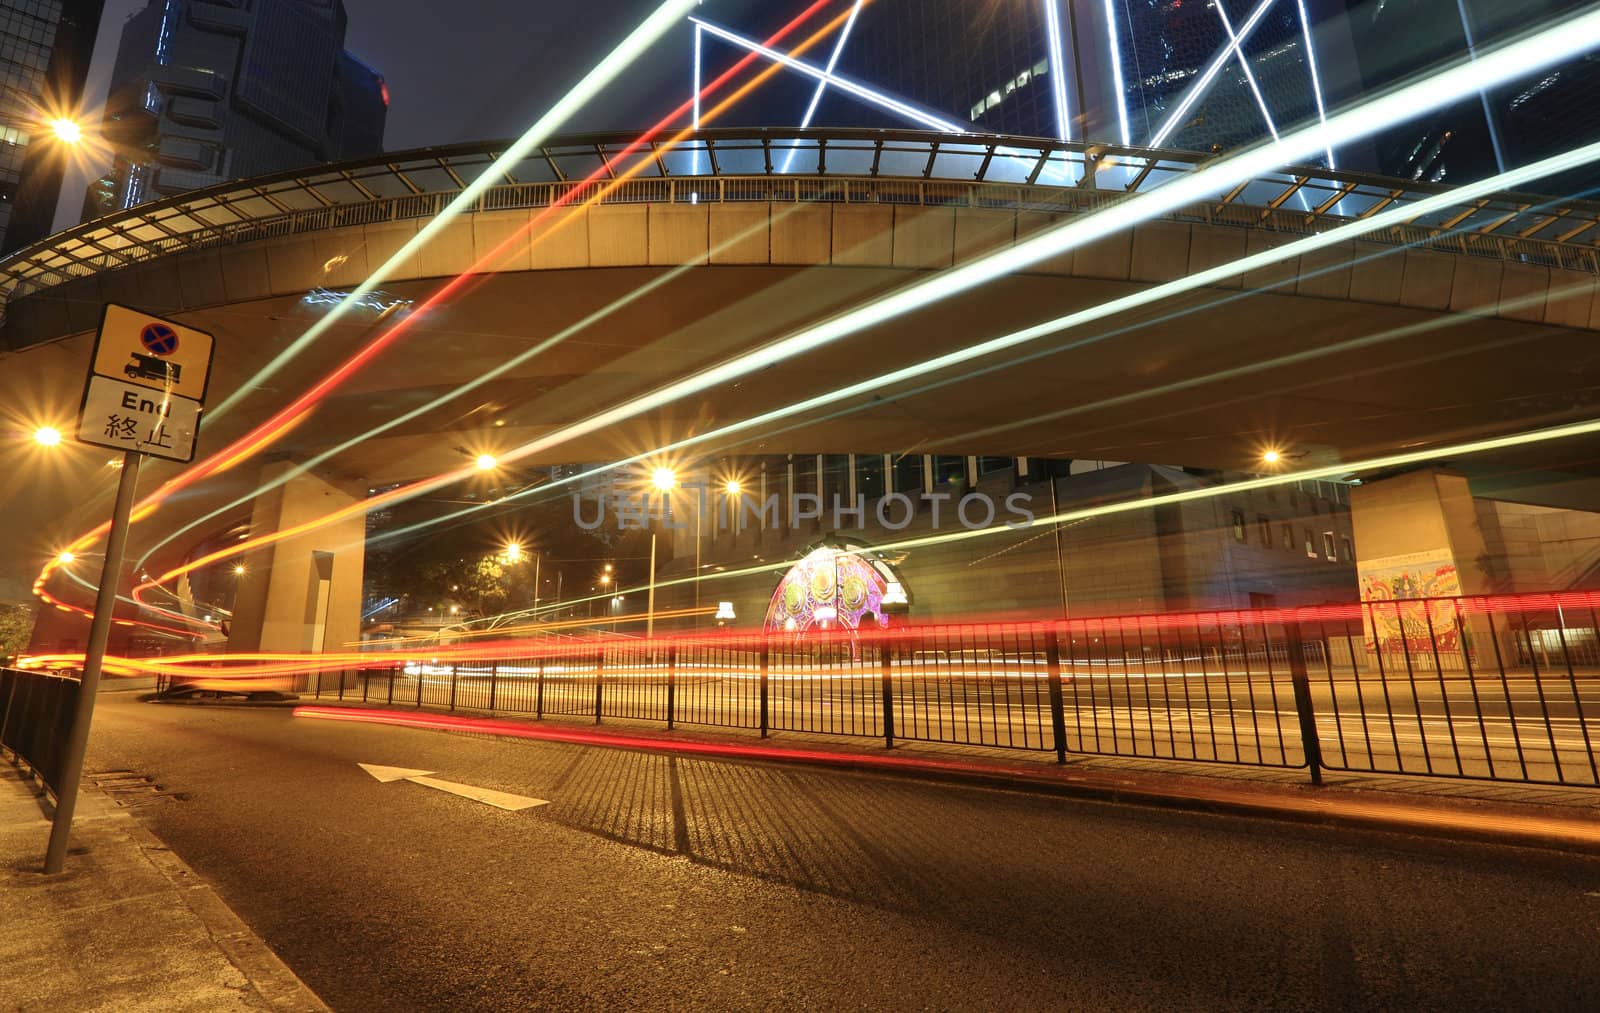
<point x="1494" y="812"/>
<point x="127" y="927"/>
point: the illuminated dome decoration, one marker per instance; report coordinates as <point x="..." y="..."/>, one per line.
<point x="833" y="587"/>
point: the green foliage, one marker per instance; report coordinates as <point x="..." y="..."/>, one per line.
<point x="16" y="627"/>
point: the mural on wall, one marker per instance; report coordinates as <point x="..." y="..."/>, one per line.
<point x="1397" y="620"/>
<point x="830" y="588"/>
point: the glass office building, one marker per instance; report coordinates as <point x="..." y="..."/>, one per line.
<point x="45" y="46"/>
<point x="207" y="92"/>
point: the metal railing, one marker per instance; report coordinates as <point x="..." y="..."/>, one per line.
<point x="36" y="710"/>
<point x="1500" y="688"/>
<point x="843" y="166"/>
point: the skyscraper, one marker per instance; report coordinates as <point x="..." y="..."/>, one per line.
<point x="210" y="90"/>
<point x="1498" y="129"/>
<point x="45" y="46"/>
<point x="1196" y="74"/>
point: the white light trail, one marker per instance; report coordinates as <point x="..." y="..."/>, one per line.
<point x="849" y="87"/>
<point x="1058" y="69"/>
<point x="816" y="96"/>
<point x="661" y="21"/>
<point x="1203" y="83"/>
<point x="877" y="385"/>
<point x="1507" y="63"/>
<point x="1316" y="77"/>
<point x="695" y="122"/>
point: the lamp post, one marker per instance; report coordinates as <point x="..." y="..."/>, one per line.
<point x="664" y="480"/>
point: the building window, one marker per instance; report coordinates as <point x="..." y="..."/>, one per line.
<point x="1266" y="531"/>
<point x="908" y="475"/>
<point x="1288" y="537"/>
<point x="1347" y="552"/>
<point x="1328" y="552"/>
<point x="1238" y="526"/>
<point x="1311" y="544"/>
<point x="869" y="476"/>
<point x="990" y="465"/>
<point x="949" y="473"/>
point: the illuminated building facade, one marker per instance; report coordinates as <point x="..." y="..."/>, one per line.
<point x="211" y="91"/>
<point x="45" y="46"/>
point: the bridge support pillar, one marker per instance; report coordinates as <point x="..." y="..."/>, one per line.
<point x="302" y="594"/>
<point x="1417" y="536"/>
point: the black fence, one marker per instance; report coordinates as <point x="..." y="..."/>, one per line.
<point x="36" y="710"/>
<point x="1503" y="688"/>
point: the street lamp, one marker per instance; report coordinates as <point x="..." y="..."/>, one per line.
<point x="513" y="552"/>
<point x="68" y="131"/>
<point x="486" y="462"/>
<point x="238" y="570"/>
<point x="664" y="479"/>
<point x="65" y="557"/>
<point x="47" y="436"/>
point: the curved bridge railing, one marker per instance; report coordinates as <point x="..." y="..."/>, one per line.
<point x="859" y="166"/>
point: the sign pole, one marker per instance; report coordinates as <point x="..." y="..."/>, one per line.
<point x="99" y="634"/>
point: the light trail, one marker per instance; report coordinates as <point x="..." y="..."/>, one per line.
<point x="1115" y="46"/>
<point x="1152" y="296"/>
<point x="1316" y="77"/>
<point x="242" y="447"/>
<point x="1249" y="75"/>
<point x="615" y="182"/>
<point x="661" y="20"/>
<point x="1509" y="62"/>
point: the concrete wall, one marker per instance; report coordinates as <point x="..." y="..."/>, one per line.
<point x="1538" y="548"/>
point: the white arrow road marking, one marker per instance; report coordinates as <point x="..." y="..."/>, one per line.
<point x="488" y="796"/>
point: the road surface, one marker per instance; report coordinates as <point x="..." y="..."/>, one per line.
<point x="655" y="882"/>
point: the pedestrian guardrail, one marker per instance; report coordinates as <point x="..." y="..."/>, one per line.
<point x="1501" y="688"/>
<point x="36" y="711"/>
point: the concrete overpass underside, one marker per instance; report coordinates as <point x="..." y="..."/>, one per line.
<point x="1356" y="352"/>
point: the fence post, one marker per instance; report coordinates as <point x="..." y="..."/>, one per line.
<point x="599" y="678"/>
<point x="1302" y="700"/>
<point x="343" y="675"/>
<point x="421" y="671"/>
<point x="766" y="663"/>
<point x="494" y="680"/>
<point x="366" y="682"/>
<point x="1058" y="717"/>
<point x="394" y="670"/>
<point x="886" y="653"/>
<point x="453" y="686"/>
<point x="319" y="684"/>
<point x="672" y="683"/>
<point x="538" y="695"/>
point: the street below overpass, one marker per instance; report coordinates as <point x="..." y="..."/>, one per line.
<point x="654" y="881"/>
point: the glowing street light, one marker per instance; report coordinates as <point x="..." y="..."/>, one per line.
<point x="47" y="436"/>
<point x="513" y="552"/>
<point x="1271" y="457"/>
<point x="664" y="479"/>
<point x="68" y="131"/>
<point x="486" y="462"/>
<point x="732" y="487"/>
<point x="65" y="558"/>
<point x="238" y="571"/>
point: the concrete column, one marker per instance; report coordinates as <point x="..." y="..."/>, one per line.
<point x="1417" y="536"/>
<point x="302" y="594"/>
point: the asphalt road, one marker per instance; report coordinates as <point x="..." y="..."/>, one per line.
<point x="654" y="882"/>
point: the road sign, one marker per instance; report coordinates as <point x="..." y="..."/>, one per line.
<point x="150" y="352"/>
<point x="122" y="416"/>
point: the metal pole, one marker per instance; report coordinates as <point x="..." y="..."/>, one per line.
<point x="650" y="604"/>
<point x="1061" y="569"/>
<point x="536" y="586"/>
<point x="105" y="603"/>
<point x="1303" y="704"/>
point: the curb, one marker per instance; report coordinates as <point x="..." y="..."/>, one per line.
<point x="1517" y="824"/>
<point x="271" y="978"/>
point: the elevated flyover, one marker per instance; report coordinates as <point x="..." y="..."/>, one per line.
<point x="1469" y="322"/>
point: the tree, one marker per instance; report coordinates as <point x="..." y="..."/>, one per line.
<point x="16" y="629"/>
